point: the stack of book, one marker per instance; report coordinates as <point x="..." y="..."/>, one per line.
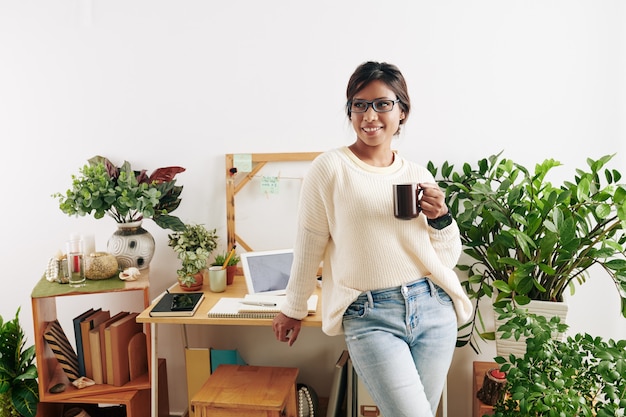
<point x="111" y="349"/>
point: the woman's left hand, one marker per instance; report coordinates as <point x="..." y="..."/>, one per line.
<point x="433" y="202"/>
<point x="286" y="329"/>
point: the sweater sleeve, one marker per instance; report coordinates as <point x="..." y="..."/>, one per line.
<point x="311" y="239"/>
<point x="447" y="244"/>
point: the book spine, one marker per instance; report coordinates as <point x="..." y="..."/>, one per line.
<point x="96" y="360"/>
<point x="108" y="354"/>
<point x="79" y="341"/>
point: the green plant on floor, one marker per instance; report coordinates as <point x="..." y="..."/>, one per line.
<point x="580" y="375"/>
<point x="19" y="389"/>
<point x="527" y="239"/>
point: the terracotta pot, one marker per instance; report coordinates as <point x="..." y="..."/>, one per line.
<point x="199" y="277"/>
<point x="231" y="271"/>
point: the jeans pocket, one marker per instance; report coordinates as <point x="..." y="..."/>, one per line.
<point x="443" y="297"/>
<point x="355" y="310"/>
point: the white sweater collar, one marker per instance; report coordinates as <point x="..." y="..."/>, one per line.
<point x="394" y="167"/>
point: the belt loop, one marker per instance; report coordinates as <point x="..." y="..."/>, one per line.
<point x="404" y="289"/>
<point x="370" y="299"/>
<point x="432" y="287"/>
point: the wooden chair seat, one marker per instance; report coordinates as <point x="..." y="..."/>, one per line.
<point x="252" y="391"/>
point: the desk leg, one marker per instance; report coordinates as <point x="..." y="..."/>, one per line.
<point x="154" y="367"/>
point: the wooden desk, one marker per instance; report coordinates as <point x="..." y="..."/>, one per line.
<point x="237" y="289"/>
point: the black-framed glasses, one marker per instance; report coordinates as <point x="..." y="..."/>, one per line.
<point x="379" y="105"/>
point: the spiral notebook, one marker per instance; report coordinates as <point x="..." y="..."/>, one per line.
<point x="247" y="308"/>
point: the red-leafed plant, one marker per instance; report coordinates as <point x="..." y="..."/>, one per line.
<point x="124" y="194"/>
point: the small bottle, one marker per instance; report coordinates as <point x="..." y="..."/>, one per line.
<point x="75" y="262"/>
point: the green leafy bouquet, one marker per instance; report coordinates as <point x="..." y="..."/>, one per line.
<point x="124" y="194"/>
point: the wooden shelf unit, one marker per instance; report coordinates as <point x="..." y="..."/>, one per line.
<point x="135" y="395"/>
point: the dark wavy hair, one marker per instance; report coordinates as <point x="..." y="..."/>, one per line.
<point x="387" y="73"/>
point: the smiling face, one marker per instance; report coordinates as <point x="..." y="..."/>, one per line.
<point x="373" y="128"/>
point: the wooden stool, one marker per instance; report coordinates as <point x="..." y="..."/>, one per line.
<point x="251" y="391"/>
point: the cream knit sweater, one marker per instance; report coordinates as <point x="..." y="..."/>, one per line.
<point x="346" y="220"/>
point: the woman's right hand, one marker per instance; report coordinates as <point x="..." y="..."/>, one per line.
<point x="286" y="329"/>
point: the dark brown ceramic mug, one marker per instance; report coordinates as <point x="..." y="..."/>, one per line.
<point x="406" y="200"/>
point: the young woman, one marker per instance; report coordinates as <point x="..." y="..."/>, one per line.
<point x="389" y="284"/>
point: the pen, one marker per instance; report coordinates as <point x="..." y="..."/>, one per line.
<point x="258" y="303"/>
<point x="230" y="255"/>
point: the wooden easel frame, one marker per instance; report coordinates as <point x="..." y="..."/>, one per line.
<point x="235" y="181"/>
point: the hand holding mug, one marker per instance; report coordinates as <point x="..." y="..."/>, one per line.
<point x="432" y="201"/>
<point x="412" y="198"/>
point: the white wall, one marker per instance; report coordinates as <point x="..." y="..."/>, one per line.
<point x="183" y="82"/>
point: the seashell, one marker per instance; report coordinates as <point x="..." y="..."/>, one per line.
<point x="83" y="382"/>
<point x="53" y="269"/>
<point x="130" y="274"/>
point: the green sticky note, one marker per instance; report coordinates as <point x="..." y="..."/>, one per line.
<point x="269" y="185"/>
<point x="243" y="162"/>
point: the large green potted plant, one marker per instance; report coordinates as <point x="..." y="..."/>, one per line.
<point x="128" y="196"/>
<point x="527" y="239"/>
<point x="193" y="246"/>
<point x="19" y="390"/>
<point x="581" y="375"/>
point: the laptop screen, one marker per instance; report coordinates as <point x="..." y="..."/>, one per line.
<point x="267" y="272"/>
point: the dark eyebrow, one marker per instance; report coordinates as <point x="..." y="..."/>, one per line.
<point x="379" y="98"/>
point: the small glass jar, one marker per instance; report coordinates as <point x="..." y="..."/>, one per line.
<point x="75" y="263"/>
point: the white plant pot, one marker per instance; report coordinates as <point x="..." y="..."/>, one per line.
<point x="132" y="245"/>
<point x="548" y="309"/>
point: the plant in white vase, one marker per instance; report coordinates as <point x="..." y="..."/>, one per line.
<point x="128" y="196"/>
<point x="527" y="239"/>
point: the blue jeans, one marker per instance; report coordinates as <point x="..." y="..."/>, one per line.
<point x="401" y="341"/>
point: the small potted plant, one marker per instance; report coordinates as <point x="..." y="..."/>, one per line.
<point x="231" y="266"/>
<point x="581" y="375"/>
<point x="193" y="247"/>
<point x="19" y="389"/>
<point x="527" y="240"/>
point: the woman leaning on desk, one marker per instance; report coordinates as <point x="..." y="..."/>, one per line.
<point x="389" y="284"/>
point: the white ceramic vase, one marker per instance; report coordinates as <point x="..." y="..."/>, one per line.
<point x="132" y="245"/>
<point x="548" y="309"/>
